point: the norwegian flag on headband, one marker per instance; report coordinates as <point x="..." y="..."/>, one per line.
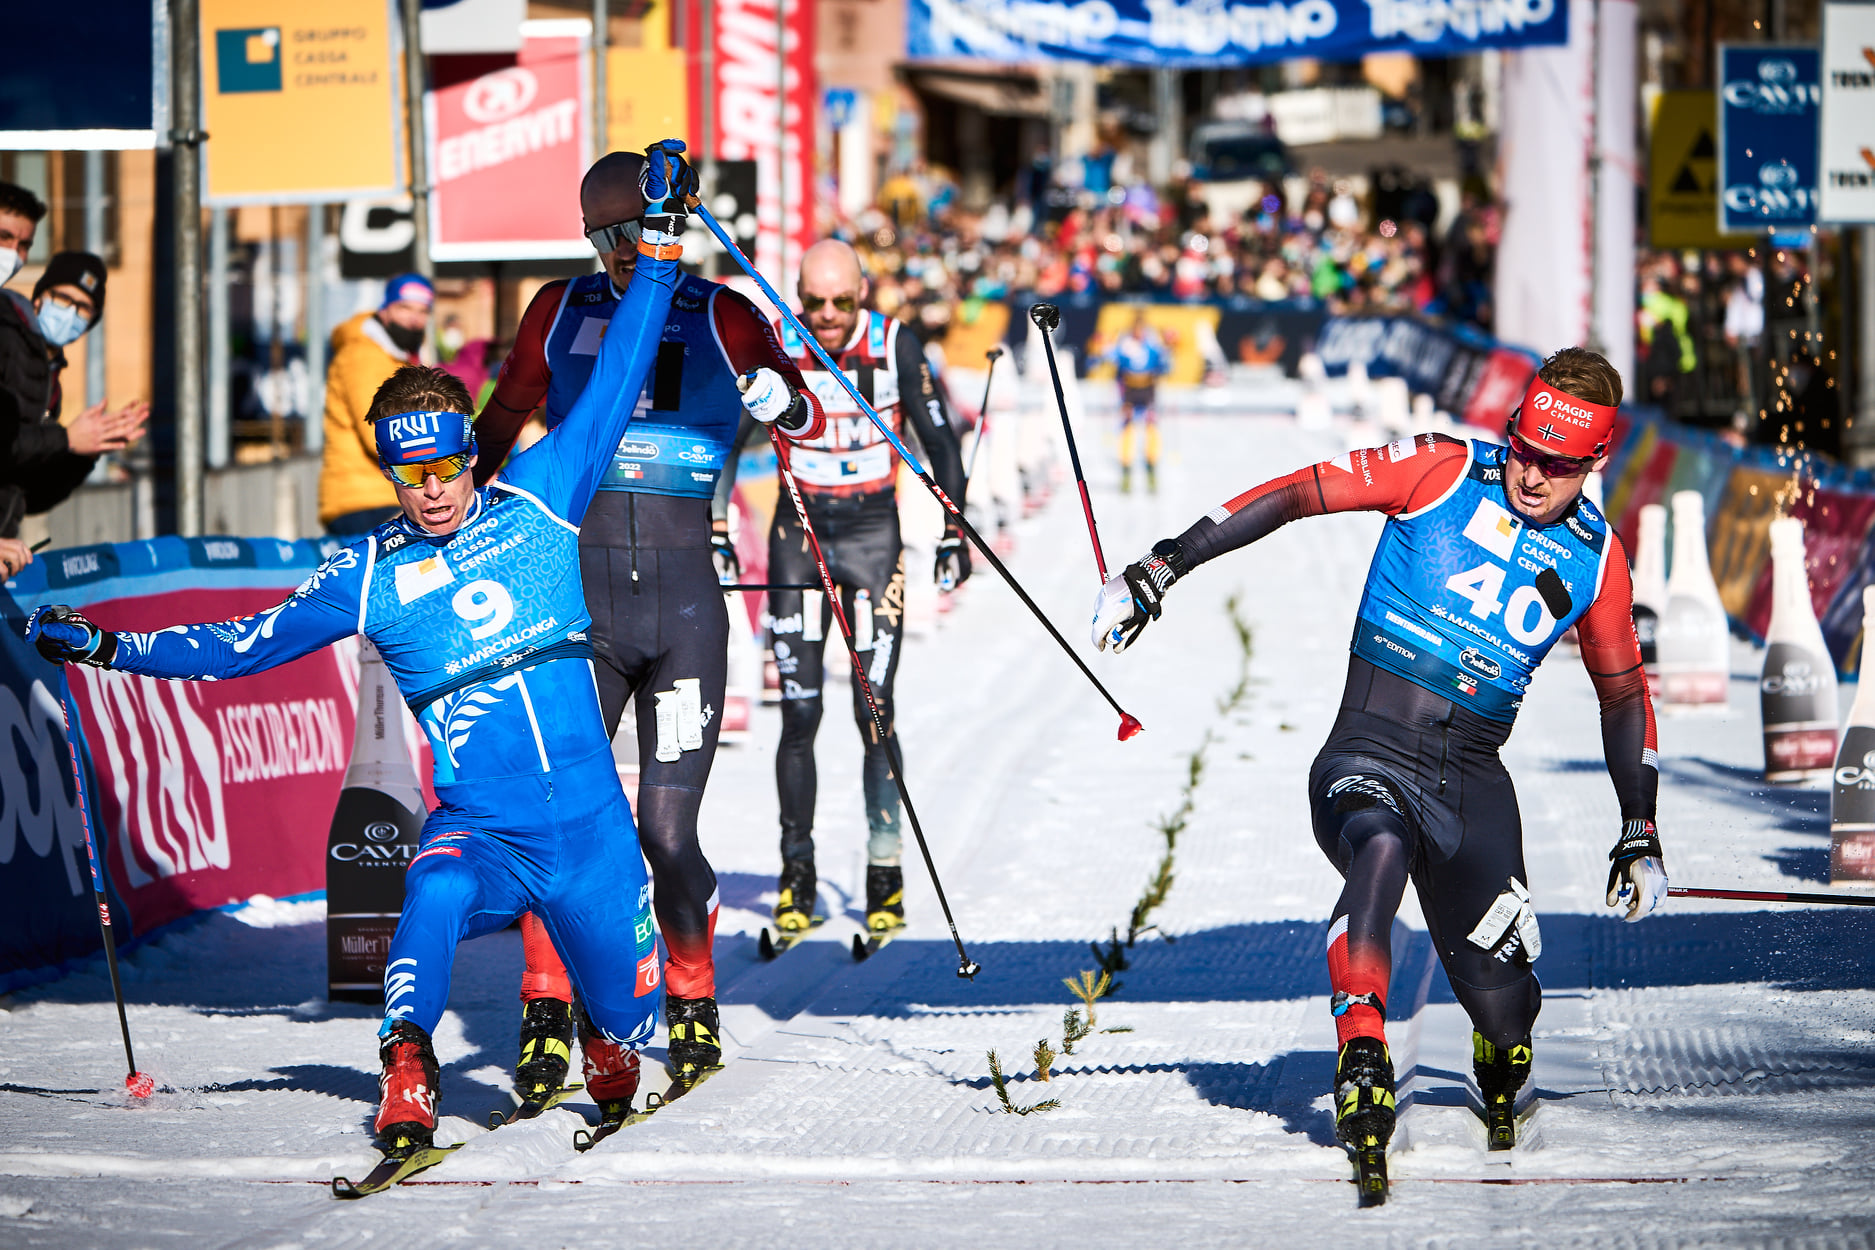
<point x="1561" y="424"/>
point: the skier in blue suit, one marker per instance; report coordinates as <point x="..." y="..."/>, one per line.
<point x="473" y="598"/>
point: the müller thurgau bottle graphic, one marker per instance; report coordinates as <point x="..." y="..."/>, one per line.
<point x="373" y="839"/>
<point x="1650" y="589"/>
<point x="1693" y="642"/>
<point x="1852" y="796"/>
<point x="1797" y="692"/>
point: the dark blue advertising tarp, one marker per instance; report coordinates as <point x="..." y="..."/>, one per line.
<point x="1769" y="102"/>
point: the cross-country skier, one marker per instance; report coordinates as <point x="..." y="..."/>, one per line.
<point x="473" y="598"/>
<point x="652" y="563"/>
<point x="1139" y="359"/>
<point x="848" y="478"/>
<point x="1490" y="555"/>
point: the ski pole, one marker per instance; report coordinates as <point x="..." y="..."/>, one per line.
<point x="138" y="1083"/>
<point x="751" y="586"/>
<point x="983" y="413"/>
<point x="1046" y="317"/>
<point x="966" y="967"/>
<point x="1773" y="896"/>
<point x="1129" y="724"/>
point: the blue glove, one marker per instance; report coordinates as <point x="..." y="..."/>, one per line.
<point x="62" y="636"/>
<point x="667" y="184"/>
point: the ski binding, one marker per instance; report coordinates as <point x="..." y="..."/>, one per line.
<point x="398" y="1164"/>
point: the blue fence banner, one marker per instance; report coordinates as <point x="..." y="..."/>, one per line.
<point x="1769" y="107"/>
<point x="1212" y="33"/>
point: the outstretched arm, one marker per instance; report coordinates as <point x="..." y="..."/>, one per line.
<point x="520" y="387"/>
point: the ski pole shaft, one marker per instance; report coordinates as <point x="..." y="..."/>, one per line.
<point x="1774" y="896"/>
<point x="1129" y="724"/>
<point x="753" y="586"/>
<point x="966" y="967"/>
<point x="1046" y="317"/>
<point x="136" y="1082"/>
<point x="983" y="413"/>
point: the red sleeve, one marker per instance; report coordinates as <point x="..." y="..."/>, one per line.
<point x="749" y="342"/>
<point x="1401" y="477"/>
<point x="1612" y="655"/>
<point x="521" y="385"/>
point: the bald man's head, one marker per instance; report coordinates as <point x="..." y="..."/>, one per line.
<point x="609" y="195"/>
<point x="833" y="289"/>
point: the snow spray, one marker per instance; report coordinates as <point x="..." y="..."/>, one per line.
<point x="373" y="839"/>
<point x="1650" y="589"/>
<point x="1693" y="644"/>
<point x="1852" y="789"/>
<point x="1797" y="691"/>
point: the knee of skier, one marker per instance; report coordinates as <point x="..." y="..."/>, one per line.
<point x="667" y="828"/>
<point x="800" y="717"/>
<point x="1503" y="1014"/>
<point x="1374" y="836"/>
<point x="439" y="878"/>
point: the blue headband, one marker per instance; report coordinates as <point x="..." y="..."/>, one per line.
<point x="409" y="437"/>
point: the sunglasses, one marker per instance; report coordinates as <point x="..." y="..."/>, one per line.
<point x="844" y="303"/>
<point x="444" y="469"/>
<point x="611" y="238"/>
<point x="1546" y="464"/>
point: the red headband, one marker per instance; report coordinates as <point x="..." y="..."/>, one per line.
<point x="1559" y="423"/>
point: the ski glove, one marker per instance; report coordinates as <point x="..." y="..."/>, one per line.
<point x="61" y="635"/>
<point x="767" y="397"/>
<point x="1128" y="602"/>
<point x="668" y="185"/>
<point x="1639" y="870"/>
<point x="953" y="561"/>
<point x="723" y="553"/>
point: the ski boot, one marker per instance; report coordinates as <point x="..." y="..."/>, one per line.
<point x="1152" y="479"/>
<point x="406" y="1120"/>
<point x="1501" y="1072"/>
<point x="696" y="1048"/>
<point x="611" y="1079"/>
<point x="1126" y="480"/>
<point x="885" y="898"/>
<point x="1364" y="1113"/>
<point x="794" y="910"/>
<point x="546" y="1049"/>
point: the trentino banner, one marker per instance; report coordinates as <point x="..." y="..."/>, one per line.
<point x="1212" y="33"/>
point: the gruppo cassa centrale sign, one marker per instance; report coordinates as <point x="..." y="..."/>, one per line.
<point x="522" y="126"/>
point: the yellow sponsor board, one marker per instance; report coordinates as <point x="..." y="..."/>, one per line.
<point x="1683" y="174"/>
<point x="299" y="101"/>
<point x="1183" y="327"/>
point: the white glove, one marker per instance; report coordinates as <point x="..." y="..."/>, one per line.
<point x="1638" y="872"/>
<point x="766" y="395"/>
<point x="1118" y="618"/>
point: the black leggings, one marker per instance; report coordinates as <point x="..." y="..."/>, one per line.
<point x="859" y="537"/>
<point x="1408" y="785"/>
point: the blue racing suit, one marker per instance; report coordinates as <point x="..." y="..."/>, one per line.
<point x="486" y="632"/>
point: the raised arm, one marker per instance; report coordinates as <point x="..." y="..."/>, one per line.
<point x="748" y="343"/>
<point x="521" y="386"/>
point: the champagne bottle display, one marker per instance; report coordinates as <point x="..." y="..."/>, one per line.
<point x="1797" y="691"/>
<point x="1650" y="588"/>
<point x="373" y="838"/>
<point x="1694" y="643"/>
<point x="1852" y="789"/>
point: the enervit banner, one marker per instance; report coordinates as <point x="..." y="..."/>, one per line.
<point x="299" y="101"/>
<point x="1768" y="97"/>
<point x="754" y="116"/>
<point x="507" y="151"/>
<point x="1847" y="187"/>
<point x="1211" y="33"/>
<point x="203" y="793"/>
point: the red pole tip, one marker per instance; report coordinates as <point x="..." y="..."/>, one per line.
<point x="1128" y="726"/>
<point x="140" y="1084"/>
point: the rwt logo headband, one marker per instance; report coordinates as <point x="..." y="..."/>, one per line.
<point x="409" y="437"/>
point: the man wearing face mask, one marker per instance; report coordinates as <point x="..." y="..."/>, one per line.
<point x="354" y="498"/>
<point x="45" y="460"/>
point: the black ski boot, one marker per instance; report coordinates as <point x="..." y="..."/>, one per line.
<point x="406" y="1120"/>
<point x="696" y="1048"/>
<point x="546" y="1049"/>
<point x="1364" y="1113"/>
<point x="794" y="910"/>
<point x="885" y="898"/>
<point x="1501" y="1072"/>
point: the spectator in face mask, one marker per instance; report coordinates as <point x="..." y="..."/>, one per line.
<point x="354" y="496"/>
<point x="45" y="460"/>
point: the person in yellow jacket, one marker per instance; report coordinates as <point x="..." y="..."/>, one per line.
<point x="354" y="495"/>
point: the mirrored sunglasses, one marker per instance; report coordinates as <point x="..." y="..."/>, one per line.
<point x="445" y="469"/>
<point x="612" y="238"/>
<point x="844" y="303"/>
<point x="1546" y="464"/>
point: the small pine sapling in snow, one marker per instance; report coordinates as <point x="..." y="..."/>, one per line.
<point x="1073" y="1029"/>
<point x="1001" y="1085"/>
<point x="1044" y="1059"/>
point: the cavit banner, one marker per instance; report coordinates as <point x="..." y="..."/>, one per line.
<point x="1768" y="97"/>
<point x="1847" y="188"/>
<point x="202" y="793"/>
<point x="1213" y="33"/>
<point x="507" y="151"/>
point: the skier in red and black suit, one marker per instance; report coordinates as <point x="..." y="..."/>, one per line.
<point x="652" y="562"/>
<point x="1490" y="555"/>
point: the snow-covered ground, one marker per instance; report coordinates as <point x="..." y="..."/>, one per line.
<point x="1704" y="1077"/>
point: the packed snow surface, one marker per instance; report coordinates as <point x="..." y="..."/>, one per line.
<point x="1702" y="1078"/>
